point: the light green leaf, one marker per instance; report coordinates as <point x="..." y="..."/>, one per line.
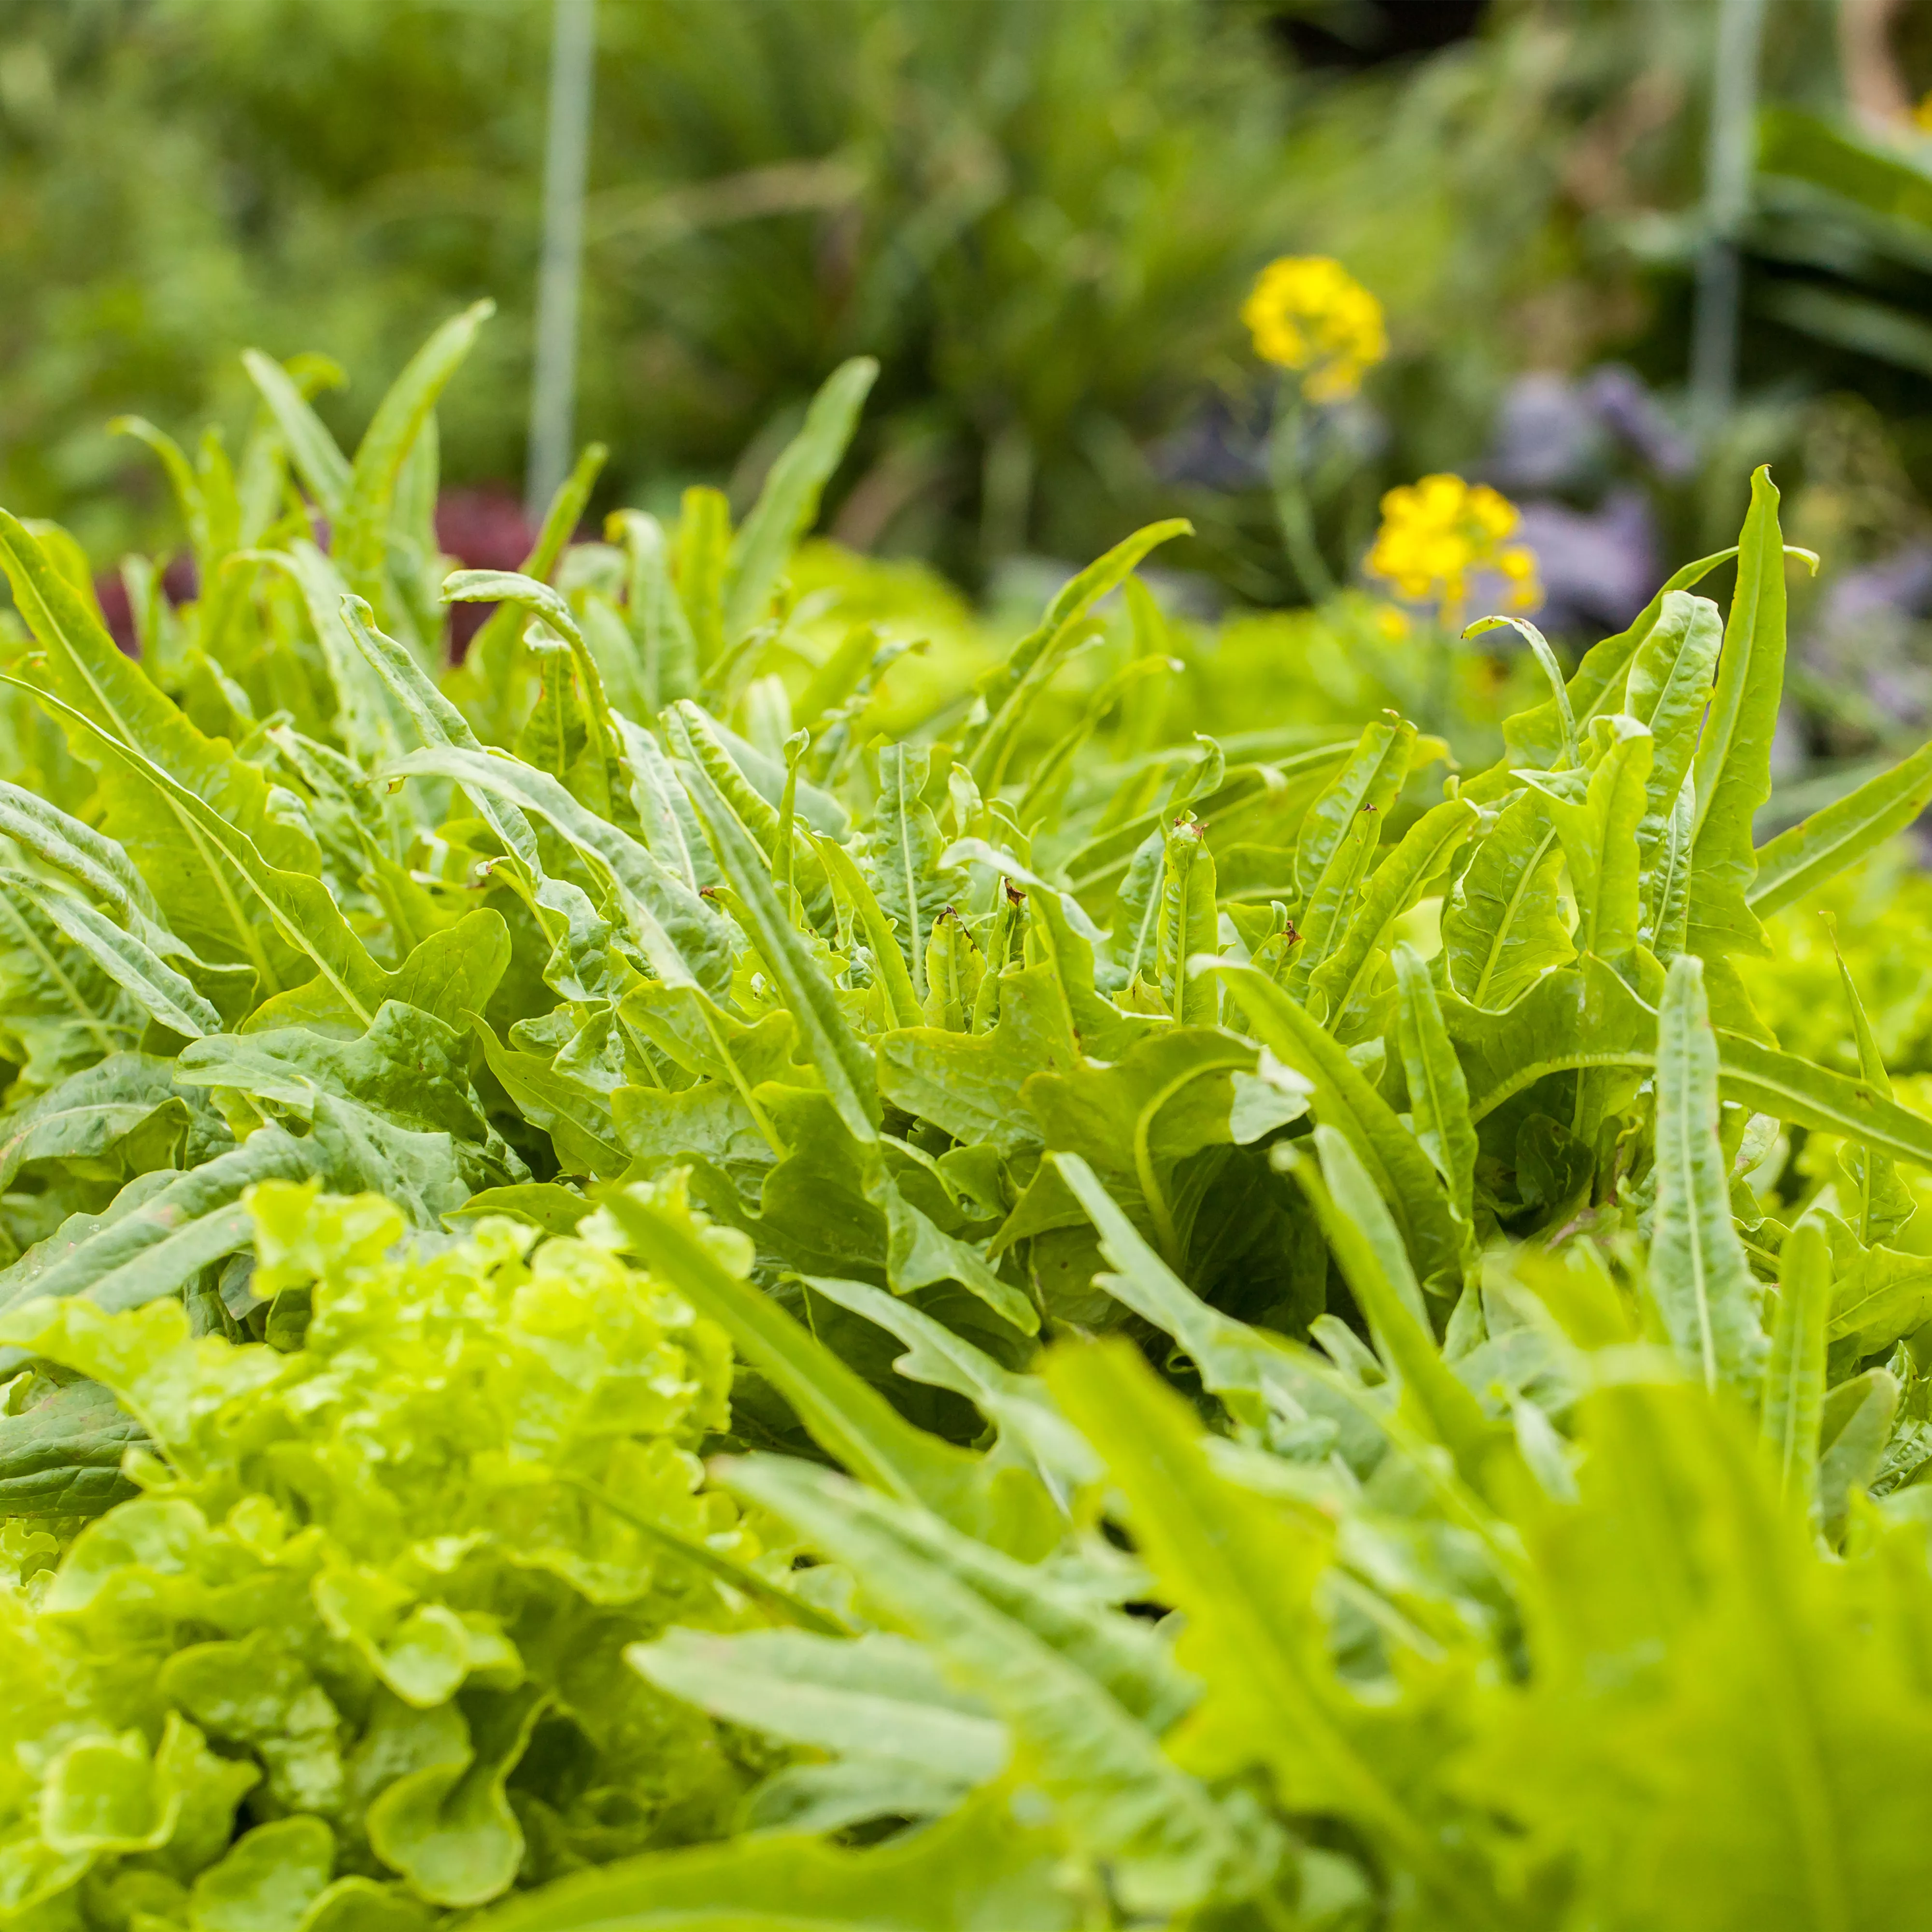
<point x="87" y="856"/>
<point x="1732" y="770"/>
<point x="1584" y="1017"/>
<point x="1794" y="1382"/>
<point x="1366" y="1245"/>
<point x="1371" y="780"/>
<point x="1503" y="927"/>
<point x="360" y="544"/>
<point x="1699" y="1278"/>
<point x="844" y="1064"/>
<point x="1393" y="888"/>
<point x="1669" y="690"/>
<point x="677" y="931"/>
<point x="1167" y="1843"/>
<point x="1598" y="688"/>
<point x="101" y="689"/>
<point x="1788" y="1088"/>
<point x="846" y="1416"/>
<point x="577" y="1117"/>
<point x="267" y="1880"/>
<point x="1854" y="1425"/>
<point x="510" y="589"/>
<point x="788" y="503"/>
<point x="670" y="826"/>
<point x="936" y="1880"/>
<point x="913" y="887"/>
<point x="1439" y="1095"/>
<point x="301" y="909"/>
<point x="1168" y="1096"/>
<point x="1599" y="837"/>
<point x="164" y="1234"/>
<point x="1570" y="744"/>
<point x="319" y="461"/>
<point x="154" y="986"/>
<point x="1801" y="859"/>
<point x="1009" y="692"/>
<point x="493" y="651"/>
<point x="970" y="1084"/>
<point x="656" y="616"/>
<point x="903" y="1008"/>
<point x="1017" y="1405"/>
<point x="366" y="713"/>
<point x="449" y="1828"/>
<point x="1244" y="1571"/>
<point x="1265" y="1382"/>
<point x="877" y="1696"/>
<point x="1883" y="1295"/>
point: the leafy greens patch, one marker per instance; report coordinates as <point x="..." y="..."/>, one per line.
<point x="1059" y="1169"/>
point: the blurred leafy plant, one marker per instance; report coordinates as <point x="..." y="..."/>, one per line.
<point x="1040" y="219"/>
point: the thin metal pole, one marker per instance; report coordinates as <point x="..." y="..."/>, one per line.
<point x="1729" y="158"/>
<point x="560" y="271"/>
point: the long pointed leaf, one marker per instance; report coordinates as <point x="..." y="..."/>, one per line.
<point x="1167" y="1843"/>
<point x="361" y="540"/>
<point x="318" y="460"/>
<point x="1244" y="1572"/>
<point x="1732" y="771"/>
<point x="844" y="1064"/>
<point x="1008" y="691"/>
<point x="1370" y="1254"/>
<point x="301" y="909"/>
<point x="1699" y="1278"/>
<point x="846" y="1416"/>
<point x="1439" y="1095"/>
<point x="680" y="934"/>
<point x="789" y="502"/>
<point x="1794" y="1382"/>
<point x="1801" y="859"/>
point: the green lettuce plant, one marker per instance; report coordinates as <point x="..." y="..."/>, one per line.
<point x="358" y="1588"/>
<point x="1541" y="1415"/>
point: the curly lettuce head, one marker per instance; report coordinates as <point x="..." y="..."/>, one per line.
<point x="355" y="1645"/>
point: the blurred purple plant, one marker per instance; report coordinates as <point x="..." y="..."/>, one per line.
<point x="1601" y="437"/>
<point x="1597" y="566"/>
<point x="1868" y="635"/>
<point x="1555" y="434"/>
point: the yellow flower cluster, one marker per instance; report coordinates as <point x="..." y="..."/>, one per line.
<point x="1307" y="313"/>
<point x="1436" y="533"/>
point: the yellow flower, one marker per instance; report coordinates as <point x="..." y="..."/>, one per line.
<point x="1307" y="313"/>
<point x="1435" y="534"/>
<point x="1922" y="116"/>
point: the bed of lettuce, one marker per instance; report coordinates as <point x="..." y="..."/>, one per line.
<point x="701" y="1275"/>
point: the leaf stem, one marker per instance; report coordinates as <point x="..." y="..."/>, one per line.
<point x="1291" y="497"/>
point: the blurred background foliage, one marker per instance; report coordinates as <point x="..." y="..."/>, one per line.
<point x="1041" y="215"/>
